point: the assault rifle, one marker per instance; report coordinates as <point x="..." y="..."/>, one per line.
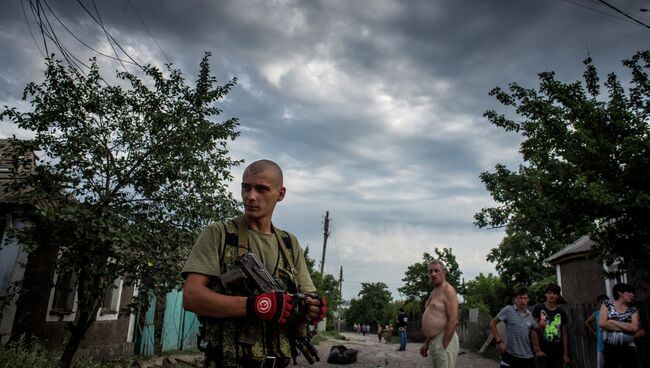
<point x="250" y="274"/>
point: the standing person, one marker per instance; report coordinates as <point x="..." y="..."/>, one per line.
<point x="402" y="320"/>
<point x="620" y="321"/>
<point x="244" y="330"/>
<point x="440" y="319"/>
<point x="516" y="351"/>
<point x="379" y="332"/>
<point x="387" y="333"/>
<point x="552" y="330"/>
<point x="594" y="328"/>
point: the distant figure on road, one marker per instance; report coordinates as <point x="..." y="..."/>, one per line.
<point x="520" y="332"/>
<point x="552" y="330"/>
<point x="379" y="331"/>
<point x="592" y="325"/>
<point x="402" y="320"/>
<point x="387" y="333"/>
<point x="440" y="319"/>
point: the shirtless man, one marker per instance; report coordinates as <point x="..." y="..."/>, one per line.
<point x="439" y="320"/>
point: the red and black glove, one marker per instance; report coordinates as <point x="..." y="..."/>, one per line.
<point x="322" y="306"/>
<point x="273" y="306"/>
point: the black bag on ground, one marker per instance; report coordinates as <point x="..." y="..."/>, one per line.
<point x="339" y="354"/>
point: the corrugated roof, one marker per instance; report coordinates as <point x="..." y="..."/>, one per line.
<point x="582" y="245"/>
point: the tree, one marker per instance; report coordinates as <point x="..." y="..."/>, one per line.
<point x="127" y="177"/>
<point x="373" y="306"/>
<point x="488" y="290"/>
<point x="586" y="170"/>
<point x="328" y="286"/>
<point x="417" y="284"/>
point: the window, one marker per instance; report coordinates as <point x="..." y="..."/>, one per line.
<point x="64" y="294"/>
<point x="112" y="298"/>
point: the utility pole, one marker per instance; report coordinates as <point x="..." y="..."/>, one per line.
<point x="326" y="233"/>
<point x="338" y="311"/>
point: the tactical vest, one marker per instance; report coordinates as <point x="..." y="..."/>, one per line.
<point x="244" y="342"/>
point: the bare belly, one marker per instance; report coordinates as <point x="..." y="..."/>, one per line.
<point x="433" y="322"/>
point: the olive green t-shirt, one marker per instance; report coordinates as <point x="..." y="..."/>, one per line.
<point x="204" y="257"/>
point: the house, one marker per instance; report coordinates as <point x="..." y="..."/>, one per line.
<point x="48" y="300"/>
<point x="582" y="279"/>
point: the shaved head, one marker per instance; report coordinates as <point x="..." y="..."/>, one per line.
<point x="260" y="166"/>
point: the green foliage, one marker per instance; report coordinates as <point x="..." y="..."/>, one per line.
<point x="586" y="171"/>
<point x="372" y="307"/>
<point x="24" y="354"/>
<point x="536" y="290"/>
<point x="417" y="284"/>
<point x="328" y="286"/>
<point x="488" y="291"/>
<point x="126" y="178"/>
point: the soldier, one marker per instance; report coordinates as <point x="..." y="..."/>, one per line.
<point x="247" y="330"/>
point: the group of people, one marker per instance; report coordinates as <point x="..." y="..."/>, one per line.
<point x="361" y="328"/>
<point x="242" y="330"/>
<point x="387" y="331"/>
<point x="540" y="338"/>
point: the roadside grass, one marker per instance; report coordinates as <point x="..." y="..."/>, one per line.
<point x="30" y="353"/>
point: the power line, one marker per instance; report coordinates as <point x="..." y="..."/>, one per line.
<point x="148" y="31"/>
<point x="41" y="17"/>
<point x="623" y="13"/>
<point x="108" y="38"/>
<point x="598" y="11"/>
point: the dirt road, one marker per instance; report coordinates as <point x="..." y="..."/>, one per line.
<point x="372" y="354"/>
<point x="375" y="354"/>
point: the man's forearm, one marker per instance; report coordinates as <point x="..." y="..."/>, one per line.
<point x="450" y="329"/>
<point x="207" y="303"/>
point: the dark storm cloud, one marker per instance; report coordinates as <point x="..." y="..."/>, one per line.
<point x="374" y="108"/>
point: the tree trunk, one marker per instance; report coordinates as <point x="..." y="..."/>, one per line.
<point x="87" y="307"/>
<point x="158" y="324"/>
<point x="77" y="333"/>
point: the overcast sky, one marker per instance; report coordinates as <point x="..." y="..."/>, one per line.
<point x="373" y="108"/>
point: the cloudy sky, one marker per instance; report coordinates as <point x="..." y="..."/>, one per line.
<point x="373" y="108"/>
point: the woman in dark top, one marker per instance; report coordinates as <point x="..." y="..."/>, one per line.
<point x="620" y="321"/>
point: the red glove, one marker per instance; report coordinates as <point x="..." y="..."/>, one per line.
<point x="322" y="311"/>
<point x="272" y="306"/>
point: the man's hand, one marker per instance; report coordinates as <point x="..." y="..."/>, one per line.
<point x="424" y="348"/>
<point x="316" y="308"/>
<point x="539" y="354"/>
<point x="566" y="359"/>
<point x="272" y="306"/>
<point x="502" y="347"/>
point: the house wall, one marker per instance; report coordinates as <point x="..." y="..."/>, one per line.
<point x="582" y="280"/>
<point x="104" y="339"/>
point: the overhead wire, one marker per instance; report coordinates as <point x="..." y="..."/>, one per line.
<point x="108" y="38"/>
<point x="22" y="4"/>
<point x="65" y="27"/>
<point x="108" y="33"/>
<point x="627" y="18"/>
<point x="623" y="13"/>
<point x="148" y="31"/>
<point x="51" y="34"/>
